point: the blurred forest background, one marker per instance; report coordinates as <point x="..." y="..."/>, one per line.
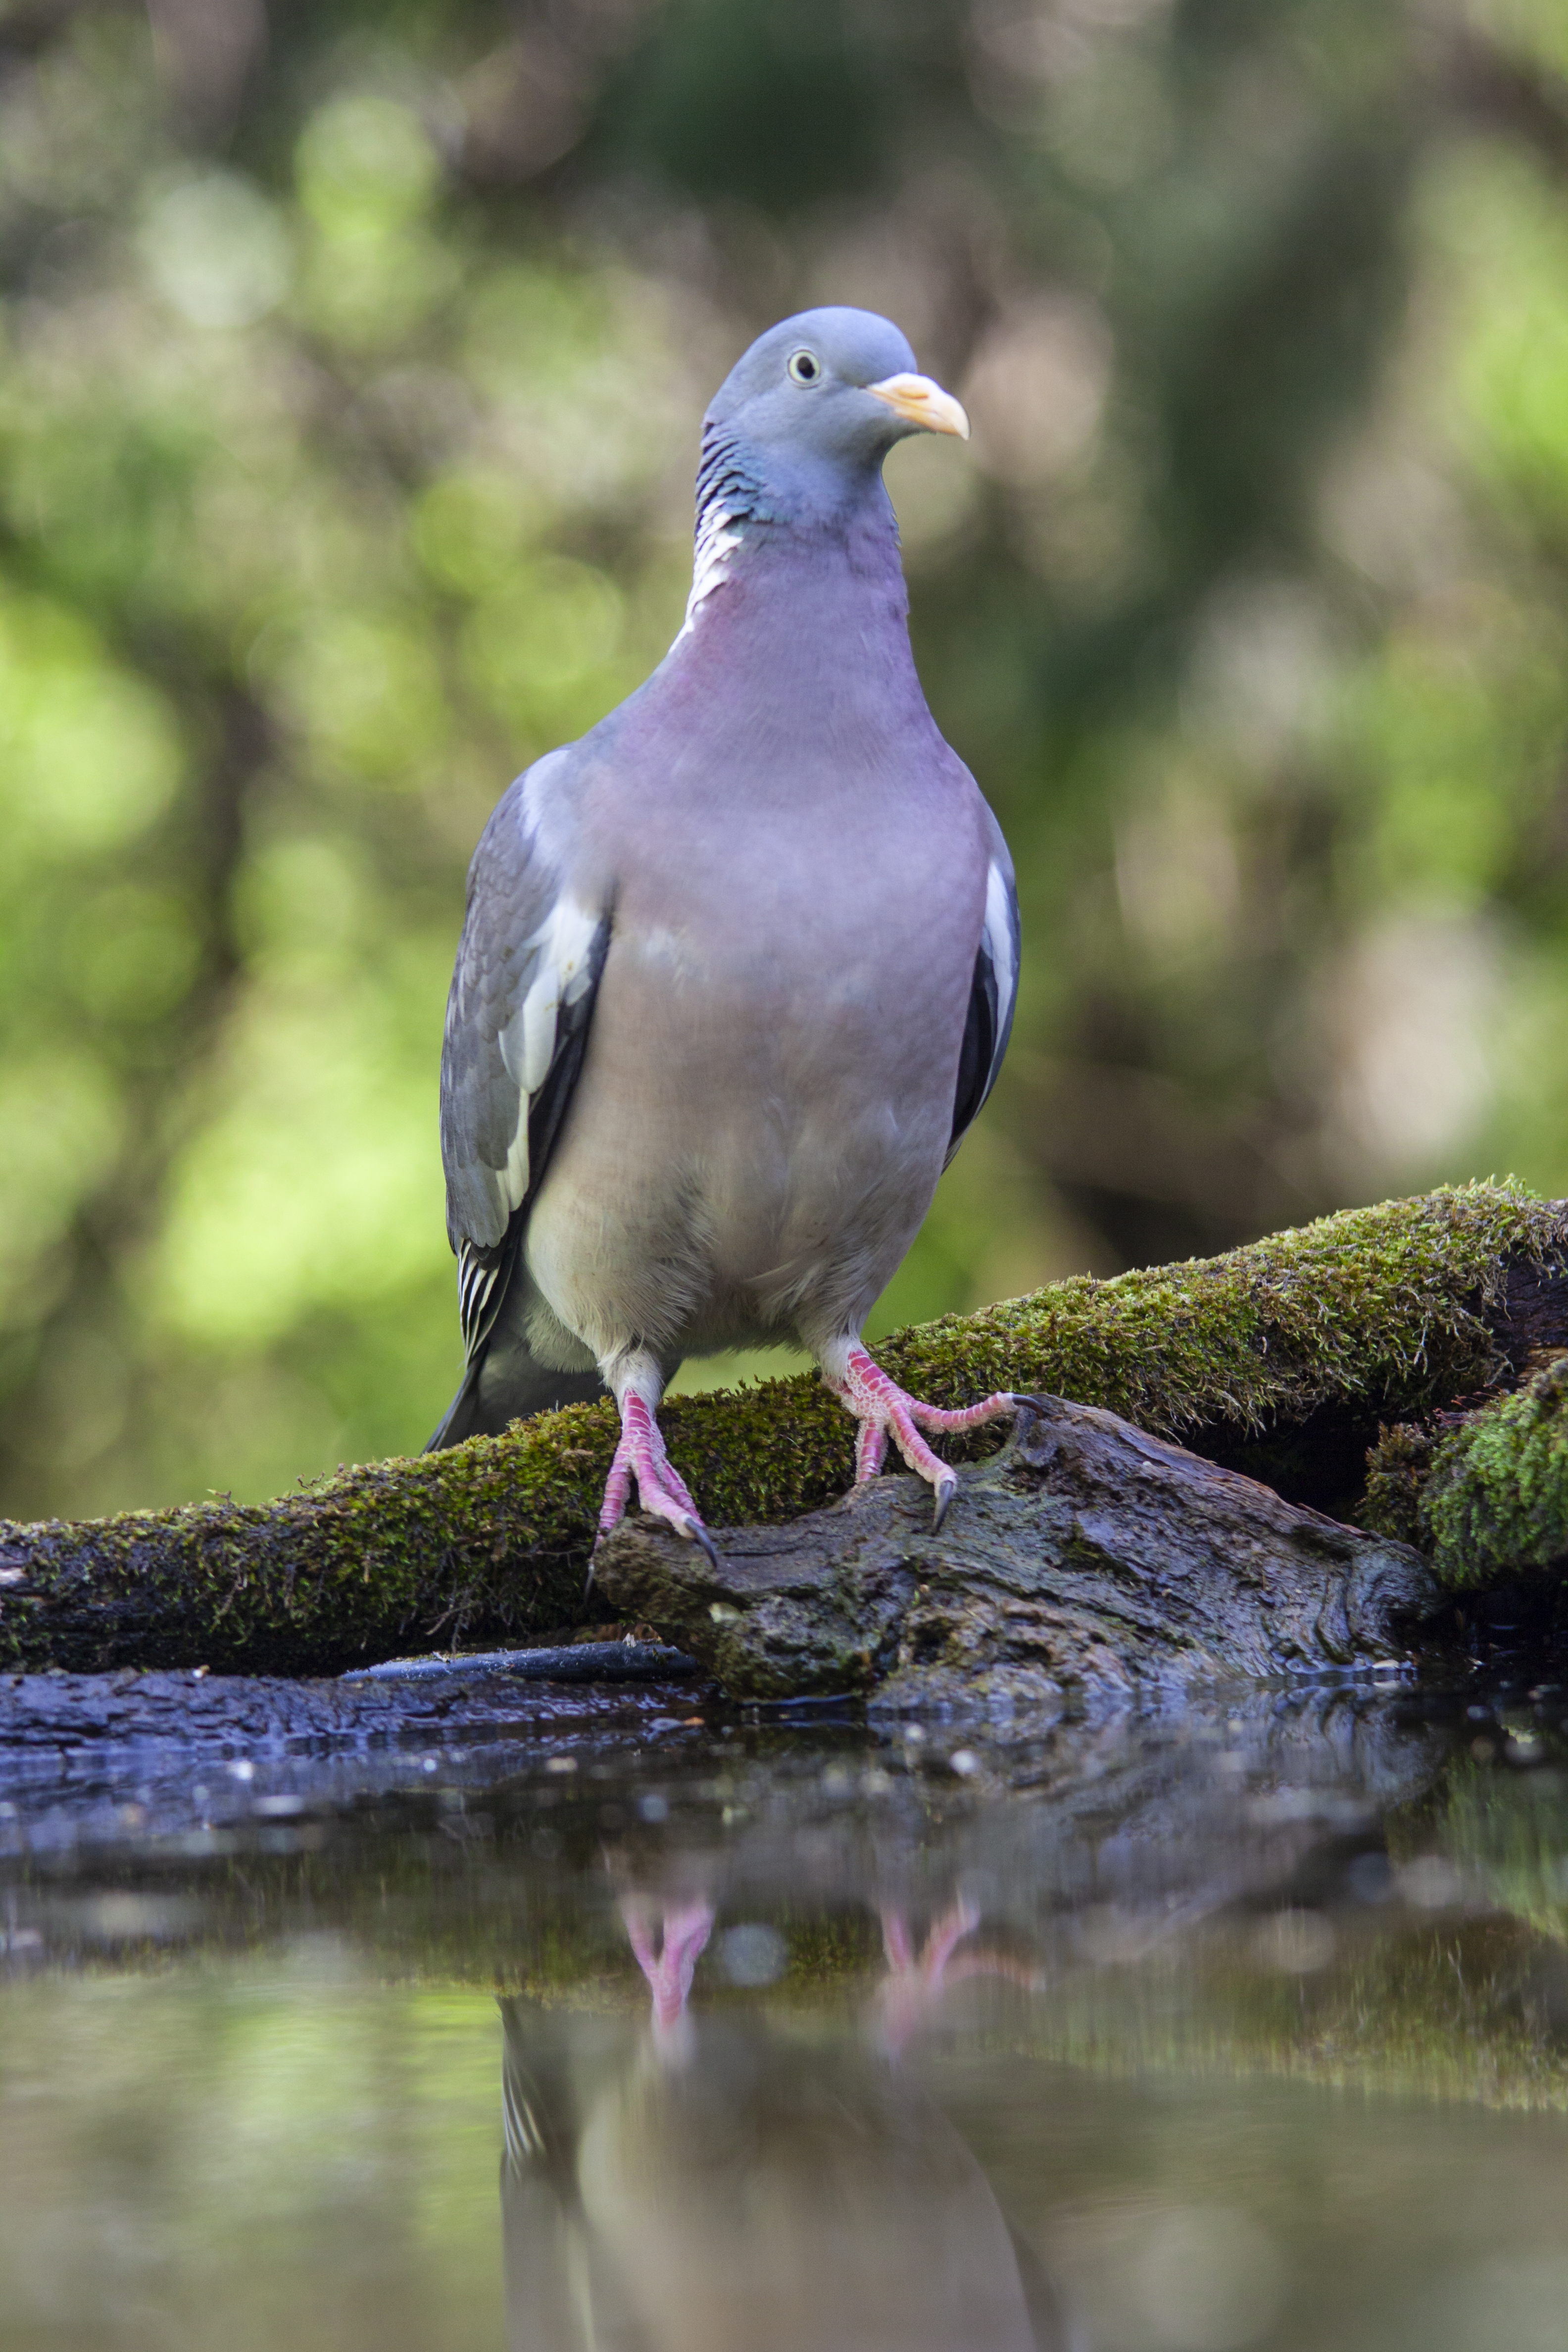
<point x="351" y="356"/>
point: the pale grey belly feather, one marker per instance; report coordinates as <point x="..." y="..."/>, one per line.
<point x="765" y="1187"/>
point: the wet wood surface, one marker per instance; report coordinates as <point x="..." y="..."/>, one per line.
<point x="1088" y="1559"/>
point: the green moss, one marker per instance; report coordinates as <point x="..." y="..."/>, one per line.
<point x="487" y="1541"/>
<point x="1397" y="1468"/>
<point x="1378" y="1312"/>
<point x="1494" y="1506"/>
<point x="1375" y="1306"/>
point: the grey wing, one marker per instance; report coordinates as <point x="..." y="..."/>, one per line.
<point x="994" y="992"/>
<point x="517" y="1023"/>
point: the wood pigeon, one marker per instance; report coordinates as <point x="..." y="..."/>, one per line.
<point x="739" y="966"/>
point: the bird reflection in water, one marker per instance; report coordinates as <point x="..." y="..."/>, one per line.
<point x="730" y="2188"/>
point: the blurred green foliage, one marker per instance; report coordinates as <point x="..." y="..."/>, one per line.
<point x="350" y="362"/>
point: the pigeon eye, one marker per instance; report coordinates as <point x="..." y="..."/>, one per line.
<point x="805" y="367"/>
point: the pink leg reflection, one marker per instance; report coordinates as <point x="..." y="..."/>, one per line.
<point x="916" y="1983"/>
<point x="682" y="1930"/>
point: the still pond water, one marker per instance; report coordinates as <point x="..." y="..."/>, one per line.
<point x="630" y="2022"/>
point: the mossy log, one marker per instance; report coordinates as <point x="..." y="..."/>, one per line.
<point x="1282" y="1358"/>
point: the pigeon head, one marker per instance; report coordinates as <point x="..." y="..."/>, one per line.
<point x="802" y="423"/>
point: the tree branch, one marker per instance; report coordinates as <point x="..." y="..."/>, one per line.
<point x="1280" y="1358"/>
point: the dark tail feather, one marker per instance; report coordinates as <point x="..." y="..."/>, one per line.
<point x="516" y="1388"/>
<point x="458" y="1419"/>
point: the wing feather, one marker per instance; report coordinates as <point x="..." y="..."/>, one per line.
<point x="517" y="1023"/>
<point x="993" y="996"/>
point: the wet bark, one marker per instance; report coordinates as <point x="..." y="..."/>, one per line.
<point x="146" y="1726"/>
<point x="1086" y="1561"/>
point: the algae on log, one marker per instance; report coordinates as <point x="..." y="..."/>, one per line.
<point x="1487" y="1497"/>
<point x="1281" y="1358"/>
<point x="1086" y="1561"/>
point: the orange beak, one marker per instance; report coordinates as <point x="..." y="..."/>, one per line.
<point x="921" y="403"/>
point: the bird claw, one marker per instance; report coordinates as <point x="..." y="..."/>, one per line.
<point x="880" y="1406"/>
<point x="691" y="1529"/>
<point x="661" y="1490"/>
<point x="697" y="1534"/>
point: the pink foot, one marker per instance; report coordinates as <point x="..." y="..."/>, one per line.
<point x="884" y="1410"/>
<point x="912" y="1991"/>
<point x="661" y="1486"/>
<point x="683" y="1932"/>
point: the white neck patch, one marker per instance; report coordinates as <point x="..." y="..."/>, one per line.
<point x="716" y="539"/>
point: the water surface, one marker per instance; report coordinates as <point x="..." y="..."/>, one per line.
<point x="627" y="2022"/>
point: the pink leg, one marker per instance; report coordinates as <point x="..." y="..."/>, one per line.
<point x="683" y="1932"/>
<point x="884" y="1410"/>
<point x="640" y="1454"/>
